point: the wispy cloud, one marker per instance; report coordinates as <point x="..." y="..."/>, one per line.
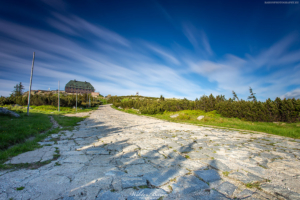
<point x="163" y="54"/>
<point x="197" y="38"/>
<point x="293" y="94"/>
<point x="74" y="23"/>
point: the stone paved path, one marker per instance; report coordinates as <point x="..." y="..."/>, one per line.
<point x="115" y="155"/>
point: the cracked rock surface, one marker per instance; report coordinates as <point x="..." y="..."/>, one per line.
<point x="115" y="155"/>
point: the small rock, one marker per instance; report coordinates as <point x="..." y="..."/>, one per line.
<point x="200" y="117"/>
<point x="46" y="143"/>
<point x="6" y="111"/>
<point x="174" y="116"/>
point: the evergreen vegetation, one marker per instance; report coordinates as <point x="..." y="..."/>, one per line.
<point x="286" y="110"/>
<point x="18" y="91"/>
<point x="48" y="99"/>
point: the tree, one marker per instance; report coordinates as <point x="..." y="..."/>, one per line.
<point x="235" y="96"/>
<point x="162" y="98"/>
<point x="18" y="91"/>
<point x="21" y="88"/>
<point x="252" y="95"/>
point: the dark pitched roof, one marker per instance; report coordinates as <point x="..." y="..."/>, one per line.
<point x="80" y="84"/>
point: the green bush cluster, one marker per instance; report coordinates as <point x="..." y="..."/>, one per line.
<point x="155" y="106"/>
<point x="49" y="99"/>
<point x="287" y="110"/>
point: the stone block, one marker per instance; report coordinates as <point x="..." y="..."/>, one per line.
<point x="208" y="175"/>
<point x="217" y="165"/>
<point x="138" y="170"/>
<point x="97" y="151"/>
<point x="108" y="195"/>
<point x="128" y="182"/>
<point x="159" y="178"/>
<point x="188" y="184"/>
<point x="226" y="188"/>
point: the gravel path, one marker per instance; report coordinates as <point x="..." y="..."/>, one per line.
<point x="115" y="155"/>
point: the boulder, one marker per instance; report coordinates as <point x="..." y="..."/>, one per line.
<point x="5" y="111"/>
<point x="120" y="107"/>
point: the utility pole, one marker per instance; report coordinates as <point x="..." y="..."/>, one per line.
<point x="58" y="96"/>
<point x="76" y="101"/>
<point x="29" y="92"/>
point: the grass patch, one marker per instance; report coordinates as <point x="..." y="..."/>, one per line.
<point x="68" y="123"/>
<point x="48" y="109"/>
<point x="253" y="185"/>
<point x="24" y="147"/>
<point x="212" y="119"/>
<point x="143" y="186"/>
<point x="20" y="188"/>
<point x="17" y="130"/>
<point x="226" y="173"/>
<point x="134" y="187"/>
<point x="25" y="165"/>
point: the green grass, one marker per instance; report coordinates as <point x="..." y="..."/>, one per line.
<point x="14" y="131"/>
<point x="143" y="186"/>
<point x="68" y="122"/>
<point x="226" y="173"/>
<point x="212" y="119"/>
<point x="253" y="185"/>
<point x="24" y="147"/>
<point x="20" y="188"/>
<point x="104" y="101"/>
<point x="47" y="109"/>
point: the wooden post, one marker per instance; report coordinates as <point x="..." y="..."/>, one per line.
<point x="58" y="97"/>
<point x="29" y="92"/>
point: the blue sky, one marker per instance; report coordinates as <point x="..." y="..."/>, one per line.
<point x="174" y="48"/>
